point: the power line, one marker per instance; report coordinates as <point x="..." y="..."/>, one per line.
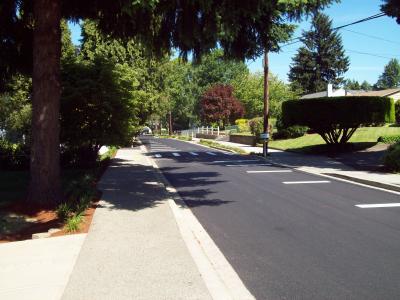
<point x="379" y="15"/>
<point x="372" y="54"/>
<point x="373" y="36"/>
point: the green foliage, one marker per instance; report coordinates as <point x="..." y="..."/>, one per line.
<point x="13" y="156"/>
<point x="256" y="126"/>
<point x="366" y="86"/>
<point x="184" y="138"/>
<point x="63" y="211"/>
<point x="15" y="109"/>
<point x="290" y="132"/>
<point x="392" y="157"/>
<point x="397" y="111"/>
<point x="349" y="84"/>
<point x="321" y="60"/>
<point x="243" y="125"/>
<point x="389" y="139"/>
<point x="337" y="118"/>
<point x="250" y="90"/>
<point x="390" y="77"/>
<point x="73" y="223"/>
<point x="391" y="8"/>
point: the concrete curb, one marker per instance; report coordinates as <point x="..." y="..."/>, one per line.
<point x="339" y="177"/>
<point x="220" y="278"/>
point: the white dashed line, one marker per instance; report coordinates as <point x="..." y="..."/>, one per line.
<point x="305" y="182"/>
<point x="157" y="155"/>
<point x="238" y="165"/>
<point x="194" y="153"/>
<point x="378" y="205"/>
<point x="270" y="171"/>
<point x="233" y="161"/>
<point x="176" y="154"/>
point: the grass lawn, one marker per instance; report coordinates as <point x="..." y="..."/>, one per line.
<point x="363" y="138"/>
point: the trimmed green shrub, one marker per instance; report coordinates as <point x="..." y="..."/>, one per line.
<point x="243" y="125"/>
<point x="392" y="157"/>
<point x="389" y="139"/>
<point x="291" y="132"/>
<point x="397" y="111"/>
<point x="13" y="156"/>
<point x="337" y="118"/>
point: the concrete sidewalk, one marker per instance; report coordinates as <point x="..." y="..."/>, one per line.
<point x="134" y="249"/>
<point x="37" y="269"/>
<point x="319" y="164"/>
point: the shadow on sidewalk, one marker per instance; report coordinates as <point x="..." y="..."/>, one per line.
<point x="128" y="186"/>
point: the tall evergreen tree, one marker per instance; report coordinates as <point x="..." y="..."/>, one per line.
<point x="366" y="86"/>
<point x="351" y="84"/>
<point x="321" y="60"/>
<point x="390" y="77"/>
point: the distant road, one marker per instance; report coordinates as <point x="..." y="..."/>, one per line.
<point x="288" y="234"/>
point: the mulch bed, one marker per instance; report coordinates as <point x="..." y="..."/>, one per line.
<point x="41" y="220"/>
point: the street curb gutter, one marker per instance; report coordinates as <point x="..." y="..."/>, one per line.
<point x="219" y="276"/>
<point x="339" y="177"/>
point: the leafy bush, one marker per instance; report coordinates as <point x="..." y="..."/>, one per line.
<point x="257" y="126"/>
<point x="397" y="111"/>
<point x="337" y="118"/>
<point x="216" y="145"/>
<point x="243" y="125"/>
<point x="63" y="211"/>
<point x="13" y="156"/>
<point x="389" y="139"/>
<point x="73" y="223"/>
<point x="291" y="132"/>
<point x="392" y="157"/>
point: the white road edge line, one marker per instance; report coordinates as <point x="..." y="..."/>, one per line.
<point x="175" y="154"/>
<point x="306" y="182"/>
<point x="378" y="205"/>
<point x="232" y="161"/>
<point x="271" y="171"/>
<point x="219" y="276"/>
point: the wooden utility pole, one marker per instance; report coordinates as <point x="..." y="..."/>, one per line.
<point x="170" y="123"/>
<point x="266" y="105"/>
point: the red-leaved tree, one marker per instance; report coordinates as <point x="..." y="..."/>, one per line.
<point x="218" y="105"/>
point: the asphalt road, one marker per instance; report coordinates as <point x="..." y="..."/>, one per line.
<point x="288" y="239"/>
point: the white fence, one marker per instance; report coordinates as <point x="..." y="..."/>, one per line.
<point x="209" y="130"/>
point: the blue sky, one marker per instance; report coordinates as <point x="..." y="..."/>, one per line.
<point x="362" y="66"/>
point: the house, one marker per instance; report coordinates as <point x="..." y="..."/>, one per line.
<point x="391" y="93"/>
<point x="330" y="92"/>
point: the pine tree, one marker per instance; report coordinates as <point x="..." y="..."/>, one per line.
<point x="390" y="77"/>
<point x="351" y="84"/>
<point x="321" y="60"/>
<point x="366" y="86"/>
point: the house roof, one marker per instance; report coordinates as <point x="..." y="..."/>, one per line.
<point x="381" y="93"/>
<point x="314" y="95"/>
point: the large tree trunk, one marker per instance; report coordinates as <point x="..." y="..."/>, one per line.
<point x="45" y="185"/>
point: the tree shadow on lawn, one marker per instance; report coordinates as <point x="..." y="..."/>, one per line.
<point x="329" y="150"/>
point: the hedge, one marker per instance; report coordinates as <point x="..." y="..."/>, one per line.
<point x="392" y="158"/>
<point x="397" y="111"/>
<point x="337" y="118"/>
<point x="389" y="139"/>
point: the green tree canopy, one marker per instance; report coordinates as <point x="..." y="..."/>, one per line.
<point x="242" y="29"/>
<point x="391" y="8"/>
<point x="390" y="77"/>
<point x="321" y="60"/>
